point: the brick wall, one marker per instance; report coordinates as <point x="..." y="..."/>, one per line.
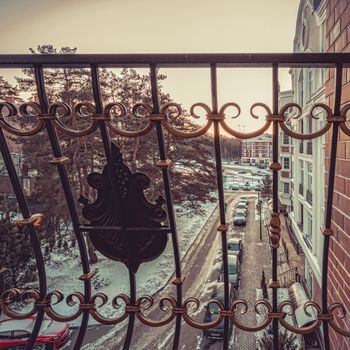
<point x="338" y="40"/>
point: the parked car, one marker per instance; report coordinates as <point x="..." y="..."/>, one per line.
<point x="236" y="211"/>
<point x="243" y="199"/>
<point x="235" y="247"/>
<point x="36" y="346"/>
<point x="242" y="172"/>
<point x="257" y="188"/>
<point x="239" y="218"/>
<point x="228" y="185"/>
<point x="241" y="205"/>
<point x="235" y="186"/>
<point x="14" y="333"/>
<point x="247" y="186"/>
<point x="212" y="312"/>
<point x="233" y="271"/>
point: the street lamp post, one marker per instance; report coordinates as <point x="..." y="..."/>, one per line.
<point x="259" y="208"/>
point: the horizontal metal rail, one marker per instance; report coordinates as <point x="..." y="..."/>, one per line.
<point x="180" y="59"/>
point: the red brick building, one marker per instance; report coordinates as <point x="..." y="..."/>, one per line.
<point x="257" y="150"/>
<point x="338" y="40"/>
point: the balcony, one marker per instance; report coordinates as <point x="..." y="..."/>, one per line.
<point x="116" y="218"/>
<point x="309" y="197"/>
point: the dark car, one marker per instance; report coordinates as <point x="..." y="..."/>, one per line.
<point x="212" y="313"/>
<point x="239" y="218"/>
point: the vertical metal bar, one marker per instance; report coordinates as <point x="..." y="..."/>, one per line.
<point x="169" y="202"/>
<point x="274" y="196"/>
<point x="99" y="109"/>
<point x="107" y="148"/>
<point x="131" y="320"/>
<point x="34" y="240"/>
<point x="217" y="148"/>
<point x="70" y="199"/>
<point x="328" y="215"/>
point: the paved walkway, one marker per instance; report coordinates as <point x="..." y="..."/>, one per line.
<point x="294" y="260"/>
<point x="256" y="257"/>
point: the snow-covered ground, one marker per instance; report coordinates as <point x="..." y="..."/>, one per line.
<point x="111" y="277"/>
<point x="281" y="296"/>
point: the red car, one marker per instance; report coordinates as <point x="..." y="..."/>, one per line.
<point x="17" y="332"/>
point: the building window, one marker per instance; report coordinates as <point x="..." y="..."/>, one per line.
<point x="308" y="231"/>
<point x="301" y="217"/>
<point x="285" y="139"/>
<point x="285" y="187"/>
<point x="286" y="163"/>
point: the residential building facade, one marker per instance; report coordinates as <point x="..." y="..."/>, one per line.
<point x="306" y="161"/>
<point x="257" y="150"/>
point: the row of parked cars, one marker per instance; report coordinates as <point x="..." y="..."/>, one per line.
<point x="245" y="186"/>
<point x="240" y="213"/>
<point x="234" y="260"/>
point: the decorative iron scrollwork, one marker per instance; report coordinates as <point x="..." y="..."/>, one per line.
<point x="124" y="226"/>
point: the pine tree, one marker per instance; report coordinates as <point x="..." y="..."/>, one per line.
<point x="191" y="186"/>
<point x="15" y="252"/>
<point x="266" y="191"/>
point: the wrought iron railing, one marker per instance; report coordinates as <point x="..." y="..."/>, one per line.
<point x="111" y="233"/>
<point x="290" y="276"/>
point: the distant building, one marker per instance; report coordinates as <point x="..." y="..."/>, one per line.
<point x="285" y="152"/>
<point x="257" y="150"/>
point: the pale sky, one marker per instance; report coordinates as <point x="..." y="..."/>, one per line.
<point x="163" y="26"/>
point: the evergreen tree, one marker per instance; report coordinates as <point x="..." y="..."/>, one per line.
<point x="15" y="253"/>
<point x="193" y="176"/>
<point x="266" y="191"/>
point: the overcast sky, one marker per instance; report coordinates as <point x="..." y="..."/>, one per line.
<point x="163" y="26"/>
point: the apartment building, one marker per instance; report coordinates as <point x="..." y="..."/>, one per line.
<point x="305" y="160"/>
<point x="257" y="150"/>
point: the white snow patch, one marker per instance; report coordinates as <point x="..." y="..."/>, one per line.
<point x="64" y="269"/>
<point x="282" y="295"/>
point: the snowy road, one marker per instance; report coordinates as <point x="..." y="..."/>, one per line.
<point x="201" y="266"/>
